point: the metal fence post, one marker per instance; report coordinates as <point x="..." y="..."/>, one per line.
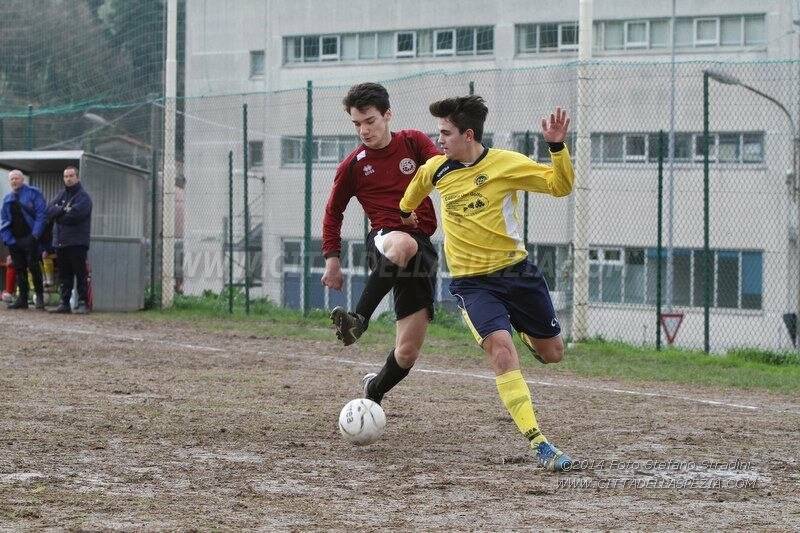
<point x="308" y="155"/>
<point x="660" y="244"/>
<point x="246" y="216"/>
<point x="230" y="232"/>
<point x="706" y="248"/>
<point x="153" y="233"/>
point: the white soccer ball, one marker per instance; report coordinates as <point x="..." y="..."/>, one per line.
<point x="362" y="422"/>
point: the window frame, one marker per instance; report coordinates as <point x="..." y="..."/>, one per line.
<point x="330" y="57"/>
<point x="405" y="53"/>
<point x="706" y="42"/>
<point x="444" y="51"/>
<point x="628" y="45"/>
<point x="258" y="75"/>
<point x="567" y="47"/>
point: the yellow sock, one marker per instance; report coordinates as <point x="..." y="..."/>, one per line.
<point x="516" y="397"/>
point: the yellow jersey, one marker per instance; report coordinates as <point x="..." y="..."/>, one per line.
<point x="479" y="204"/>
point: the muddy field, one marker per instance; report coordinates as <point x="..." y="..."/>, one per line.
<point x="121" y="423"/>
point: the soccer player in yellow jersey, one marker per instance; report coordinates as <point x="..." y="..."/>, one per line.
<point x="497" y="288"/>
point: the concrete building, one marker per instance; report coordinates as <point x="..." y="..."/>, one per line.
<point x="518" y="54"/>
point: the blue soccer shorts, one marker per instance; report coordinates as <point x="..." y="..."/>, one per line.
<point x="516" y="297"/>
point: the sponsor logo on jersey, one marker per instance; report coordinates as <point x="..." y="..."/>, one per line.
<point x="407" y="165"/>
<point x="481" y="179"/>
<point x="465" y="205"/>
<point x="361" y="155"/>
<point x="368" y="169"/>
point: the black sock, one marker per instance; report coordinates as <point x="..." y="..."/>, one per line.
<point x="390" y="375"/>
<point x="379" y="283"/>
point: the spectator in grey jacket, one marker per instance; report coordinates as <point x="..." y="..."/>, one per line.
<point x="71" y="213"/>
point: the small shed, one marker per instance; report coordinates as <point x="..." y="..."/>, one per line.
<point x="119" y="249"/>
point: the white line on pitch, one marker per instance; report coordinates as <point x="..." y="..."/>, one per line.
<point x="424" y="370"/>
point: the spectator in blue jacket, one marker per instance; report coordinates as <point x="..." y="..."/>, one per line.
<point x="22" y="222"/>
<point x="71" y="213"/>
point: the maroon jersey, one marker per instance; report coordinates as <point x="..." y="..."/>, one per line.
<point x="378" y="179"/>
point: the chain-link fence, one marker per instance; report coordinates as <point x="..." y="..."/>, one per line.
<point x="745" y="273"/>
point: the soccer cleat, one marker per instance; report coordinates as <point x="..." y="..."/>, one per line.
<point x="365" y="381"/>
<point x="349" y="326"/>
<point x="19" y="303"/>
<point x="61" y="309"/>
<point x="81" y="309"/>
<point x="551" y="458"/>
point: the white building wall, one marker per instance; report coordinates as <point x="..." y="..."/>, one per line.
<point x="222" y="33"/>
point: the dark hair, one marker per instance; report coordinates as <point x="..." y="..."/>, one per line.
<point x="364" y="95"/>
<point x="465" y="112"/>
<point x="73" y="167"/>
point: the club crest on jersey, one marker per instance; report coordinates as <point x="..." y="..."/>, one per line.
<point x="369" y="169"/>
<point x="480" y="180"/>
<point x="407" y="165"/>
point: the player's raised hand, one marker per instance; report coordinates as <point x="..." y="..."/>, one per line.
<point x="555" y="129"/>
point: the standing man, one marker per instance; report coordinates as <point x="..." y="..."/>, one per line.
<point x="497" y="288"/>
<point x="377" y="173"/>
<point x="71" y="213"/>
<point x="22" y="222"/>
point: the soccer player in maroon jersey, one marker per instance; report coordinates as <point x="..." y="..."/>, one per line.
<point x="377" y="173"/>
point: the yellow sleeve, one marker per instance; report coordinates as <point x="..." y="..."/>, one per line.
<point x="419" y="189"/>
<point x="555" y="179"/>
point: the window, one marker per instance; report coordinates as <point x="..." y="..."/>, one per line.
<point x="366" y="46"/>
<point x="325" y="149"/>
<point x="612" y="147"/>
<point x="699" y="271"/>
<point x="330" y="48"/>
<point x="548" y="37"/>
<point x="445" y="42"/>
<point x="634" y="275"/>
<point x="406" y="44"/>
<point x="349" y="47"/>
<point x="465" y="41"/>
<point x="635" y="147"/>
<point x="292" y="254"/>
<point x="705" y="32"/>
<point x="256" y="63"/>
<point x="614" y="35"/>
<point x="728" y="148"/>
<point x="484" y="39"/>
<point x="732" y="147"/>
<point x="684" y="33"/>
<point x="730" y="31"/>
<point x="424" y="43"/>
<point x="255" y="155"/>
<point x="526" y="38"/>
<point x="727" y="279"/>
<point x="568" y="36"/>
<point x="752" y="148"/>
<point x="311" y="48"/>
<point x="636" y="34"/>
<point x="605" y="274"/>
<point x="754" y="32"/>
<point x="387" y="45"/>
<point x="752" y="276"/>
<point x="659" y="34"/>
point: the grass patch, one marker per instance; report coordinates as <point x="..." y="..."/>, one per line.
<point x="740" y="369"/>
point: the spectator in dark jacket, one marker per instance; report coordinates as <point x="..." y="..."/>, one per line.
<point x="71" y="213"/>
<point x="22" y="222"/>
